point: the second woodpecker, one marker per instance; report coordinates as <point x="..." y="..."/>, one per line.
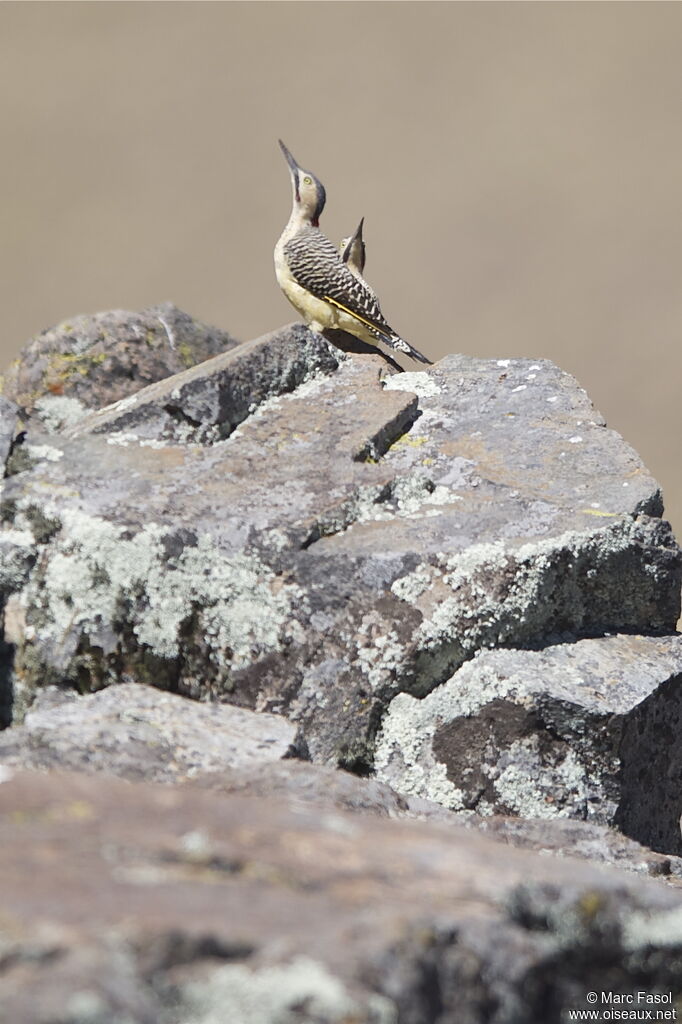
<point x="353" y="251"/>
<point x="316" y="281"/>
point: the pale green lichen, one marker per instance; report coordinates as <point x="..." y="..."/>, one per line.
<point x="122" y="439"/>
<point x="530" y="787"/>
<point x="279" y="994"/>
<point x="43" y="452"/>
<point x="381" y="654"/>
<point x="644" y="930"/>
<point x="403" y="757"/>
<point x="58" y="411"/>
<point x="96" y="569"/>
<point x="411" y="586"/>
<point x="16" y="555"/>
<point x="419" y="383"/>
<point x="408" y="441"/>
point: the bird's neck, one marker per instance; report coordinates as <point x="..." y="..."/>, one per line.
<point x="298" y="221"/>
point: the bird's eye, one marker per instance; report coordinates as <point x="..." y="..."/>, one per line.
<point x="307" y="180"/>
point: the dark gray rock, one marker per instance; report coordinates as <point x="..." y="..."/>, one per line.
<point x="206" y="402"/>
<point x="357" y="536"/>
<point x="163" y="904"/>
<point x="89" y="361"/>
<point x="138" y="732"/>
<point x="586" y="730"/>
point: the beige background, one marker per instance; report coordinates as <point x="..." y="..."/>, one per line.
<point x="519" y="167"/>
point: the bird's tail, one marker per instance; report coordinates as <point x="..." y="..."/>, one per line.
<point x="400" y="345"/>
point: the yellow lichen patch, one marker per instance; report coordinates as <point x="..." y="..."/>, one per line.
<point x="590" y="903"/>
<point x="79" y="810"/>
<point x="186" y="354"/>
<point x="598" y="512"/>
<point x="65" y="365"/>
<point x="412" y="442"/>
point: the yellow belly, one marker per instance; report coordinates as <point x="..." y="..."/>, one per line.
<point x="318" y="314"/>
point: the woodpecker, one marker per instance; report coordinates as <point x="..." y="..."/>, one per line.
<point x="354" y="252"/>
<point x="314" y="278"/>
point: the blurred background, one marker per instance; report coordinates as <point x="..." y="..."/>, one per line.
<point x="519" y="167"/>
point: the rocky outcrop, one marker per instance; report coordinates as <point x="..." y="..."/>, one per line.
<point x="457" y="582"/>
<point x="345" y="537"/>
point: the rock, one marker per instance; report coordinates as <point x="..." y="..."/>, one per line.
<point x="564" y="838"/>
<point x="139" y="733"/>
<point x="301" y="783"/>
<point x="9" y="414"/>
<point x="331" y="553"/>
<point x="207" y="402"/>
<point x="355" y="537"/>
<point x="577" y="730"/>
<point x="91" y="361"/>
<point x="143" y="903"/>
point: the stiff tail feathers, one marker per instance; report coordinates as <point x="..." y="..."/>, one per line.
<point x="400" y="345"/>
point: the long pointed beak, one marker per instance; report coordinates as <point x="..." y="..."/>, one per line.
<point x="357" y="237"/>
<point x="290" y="160"/>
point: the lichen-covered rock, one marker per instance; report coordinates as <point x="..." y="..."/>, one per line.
<point x="585" y="730"/>
<point x="90" y="361"/>
<point x="346" y="536"/>
<point x="128" y="901"/>
<point x="9" y="414"/>
<point x="138" y="732"/>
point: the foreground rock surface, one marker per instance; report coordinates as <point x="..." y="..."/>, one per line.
<point x="586" y="730"/>
<point x="346" y="537"/>
<point x="328" y="789"/>
<point x="163" y="904"/>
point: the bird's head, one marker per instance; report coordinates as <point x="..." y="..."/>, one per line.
<point x="353" y="250"/>
<point x="309" y="194"/>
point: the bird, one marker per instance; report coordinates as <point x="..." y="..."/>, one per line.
<point x="314" y="277"/>
<point x="354" y="251"/>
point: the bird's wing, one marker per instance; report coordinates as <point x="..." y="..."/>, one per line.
<point x="317" y="266"/>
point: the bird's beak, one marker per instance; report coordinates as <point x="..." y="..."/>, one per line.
<point x="358" y="232"/>
<point x="290" y="160"/>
